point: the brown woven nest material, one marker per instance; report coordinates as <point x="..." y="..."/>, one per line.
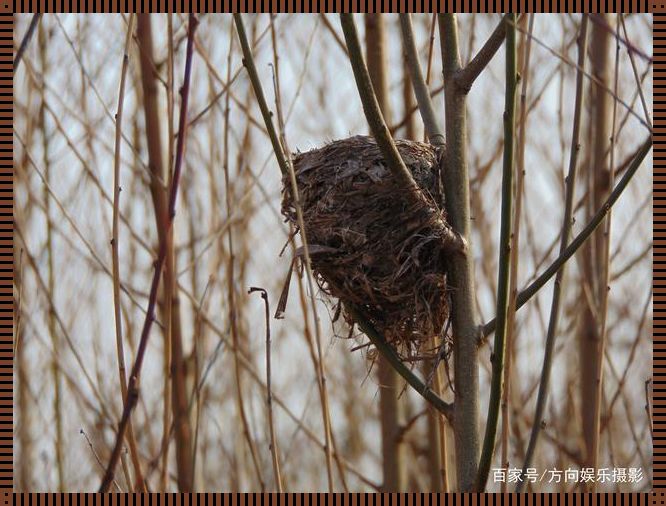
<point x="370" y="244"/>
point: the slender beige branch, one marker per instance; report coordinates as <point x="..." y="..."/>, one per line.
<point x="133" y="386"/>
<point x="120" y="352"/>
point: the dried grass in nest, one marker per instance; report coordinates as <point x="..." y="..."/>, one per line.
<point x="369" y="243"/>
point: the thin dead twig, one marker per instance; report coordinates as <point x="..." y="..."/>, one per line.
<point x="269" y="395"/>
<point x="97" y="459"/>
<point x="513" y="282"/>
<point x="120" y="352"/>
<point x="639" y="86"/>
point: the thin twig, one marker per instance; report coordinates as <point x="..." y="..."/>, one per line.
<point x="371" y="108"/>
<point x="231" y="291"/>
<point x="411" y="110"/>
<point x="102" y="265"/>
<point x="631" y="48"/>
<point x="336" y="36"/>
<point x="319" y="358"/>
<point x="567" y="223"/>
<point x="605" y="243"/>
<point x="269" y="396"/>
<point x="195" y="395"/>
<point x="504" y="261"/>
<point x="431" y="46"/>
<point x="248" y="62"/>
<point x="513" y="282"/>
<point x="592" y="78"/>
<point x="639" y="87"/>
<point x="648" y="406"/>
<point x="26" y="40"/>
<point x="158" y="198"/>
<point x="529" y="292"/>
<point x="249" y="366"/>
<point x="133" y="387"/>
<point x="392" y="357"/>
<point x="18" y="305"/>
<point x="120" y="352"/>
<point x="97" y="459"/>
<point x="433" y="130"/>
<point x="49" y="297"/>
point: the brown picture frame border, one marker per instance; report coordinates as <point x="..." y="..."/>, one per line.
<point x="8" y="254"/>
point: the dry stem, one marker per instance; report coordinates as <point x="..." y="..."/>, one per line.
<point x="269" y="395"/>
<point x="120" y="352"/>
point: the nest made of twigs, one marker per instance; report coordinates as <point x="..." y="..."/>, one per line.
<point x="369" y="243"/>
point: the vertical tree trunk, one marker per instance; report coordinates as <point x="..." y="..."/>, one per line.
<point x="465" y="326"/>
<point x="593" y="261"/>
<point x="389" y="407"/>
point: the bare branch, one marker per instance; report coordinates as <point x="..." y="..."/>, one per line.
<point x="465" y="77"/>
<point x="269" y="395"/>
<point x="503" y="300"/>
<point x="567" y="223"/>
<point x="371" y="107"/>
<point x="115" y="257"/>
<point x="552" y="269"/>
<point x="433" y="130"/>
<point x="392" y="357"/>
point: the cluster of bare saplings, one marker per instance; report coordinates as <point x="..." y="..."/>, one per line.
<point x="345" y="253"/>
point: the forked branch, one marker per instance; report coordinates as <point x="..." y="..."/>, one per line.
<point x="466" y="76"/>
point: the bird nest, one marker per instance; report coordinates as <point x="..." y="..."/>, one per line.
<point x="370" y="243"/>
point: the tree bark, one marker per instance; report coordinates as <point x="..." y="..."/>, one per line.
<point x="466" y="331"/>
